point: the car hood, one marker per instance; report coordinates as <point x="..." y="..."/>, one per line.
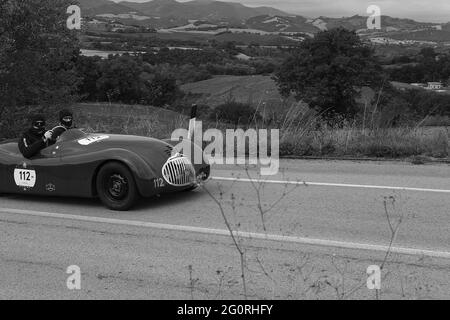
<point x="153" y="151"/>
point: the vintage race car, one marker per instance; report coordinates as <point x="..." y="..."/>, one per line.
<point x="118" y="169"/>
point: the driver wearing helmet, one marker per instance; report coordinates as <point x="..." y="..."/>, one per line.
<point x="34" y="139"/>
<point x="65" y="123"/>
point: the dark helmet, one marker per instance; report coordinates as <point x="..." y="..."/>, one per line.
<point x="66" y="118"/>
<point x="38" y="123"/>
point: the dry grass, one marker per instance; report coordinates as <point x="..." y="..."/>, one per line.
<point x="302" y="133"/>
<point x="128" y="119"/>
<point x="389" y="142"/>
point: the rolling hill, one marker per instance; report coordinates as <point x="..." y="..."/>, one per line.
<point x="356" y="23"/>
<point x="282" y="24"/>
<point x="97" y="7"/>
<point x="213" y="11"/>
<point x="218" y="17"/>
<point x="201" y="10"/>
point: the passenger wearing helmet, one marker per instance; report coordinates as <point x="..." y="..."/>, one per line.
<point x="34" y="139"/>
<point x="65" y="123"/>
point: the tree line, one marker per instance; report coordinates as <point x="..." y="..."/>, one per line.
<point x="427" y="66"/>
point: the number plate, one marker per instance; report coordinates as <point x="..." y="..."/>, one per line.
<point x="25" y="178"/>
<point x="92" y="139"/>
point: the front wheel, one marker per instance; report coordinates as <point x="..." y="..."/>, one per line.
<point x="192" y="188"/>
<point x="116" y="187"/>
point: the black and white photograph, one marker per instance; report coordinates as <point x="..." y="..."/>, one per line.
<point x="224" y="156"/>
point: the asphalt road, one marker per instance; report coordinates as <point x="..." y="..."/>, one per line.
<point x="323" y="224"/>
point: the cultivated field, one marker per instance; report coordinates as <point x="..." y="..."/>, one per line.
<point x="199" y="38"/>
<point x="246" y="89"/>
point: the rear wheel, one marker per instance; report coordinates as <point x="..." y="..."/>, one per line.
<point x="116" y="187"/>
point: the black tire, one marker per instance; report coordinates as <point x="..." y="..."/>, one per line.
<point x="192" y="188"/>
<point x="116" y="187"/>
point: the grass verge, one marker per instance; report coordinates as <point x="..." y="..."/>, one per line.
<point x="304" y="140"/>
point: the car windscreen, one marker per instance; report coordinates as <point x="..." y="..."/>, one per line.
<point x="72" y="134"/>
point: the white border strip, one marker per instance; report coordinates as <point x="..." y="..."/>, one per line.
<point x="325" y="184"/>
<point x="241" y="234"/>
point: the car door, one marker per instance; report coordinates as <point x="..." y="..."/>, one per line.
<point x="64" y="171"/>
<point x="35" y="175"/>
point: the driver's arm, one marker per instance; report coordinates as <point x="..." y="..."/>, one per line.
<point x="56" y="133"/>
<point x="28" y="149"/>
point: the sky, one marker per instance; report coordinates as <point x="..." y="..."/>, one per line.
<point x="420" y="10"/>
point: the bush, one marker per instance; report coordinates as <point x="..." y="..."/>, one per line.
<point x="119" y="79"/>
<point x="234" y="112"/>
<point x="160" y="91"/>
<point x="189" y="73"/>
<point x="14" y="121"/>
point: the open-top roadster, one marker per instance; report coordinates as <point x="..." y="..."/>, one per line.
<point x="116" y="168"/>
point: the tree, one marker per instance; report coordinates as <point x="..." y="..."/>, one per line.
<point x="119" y="79"/>
<point x="327" y="71"/>
<point x="235" y="113"/>
<point x="37" y="56"/>
<point x="430" y="67"/>
<point x="161" y="91"/>
<point x="88" y="69"/>
<point x="428" y="53"/>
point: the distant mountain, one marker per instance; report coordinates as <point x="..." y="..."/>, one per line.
<point x="356" y="23"/>
<point x="213" y="11"/>
<point x="215" y="16"/>
<point x="360" y="22"/>
<point x="96" y="7"/>
<point x="201" y="10"/>
<point x="90" y="4"/>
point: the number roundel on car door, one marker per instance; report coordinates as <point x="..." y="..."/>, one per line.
<point x="25" y="178"/>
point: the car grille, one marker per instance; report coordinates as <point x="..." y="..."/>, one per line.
<point x="168" y="150"/>
<point x="179" y="171"/>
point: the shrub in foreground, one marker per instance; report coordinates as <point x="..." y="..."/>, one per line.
<point x="235" y="113"/>
<point x="385" y="143"/>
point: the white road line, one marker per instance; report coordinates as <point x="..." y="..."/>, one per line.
<point x="246" y="235"/>
<point x="325" y="184"/>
